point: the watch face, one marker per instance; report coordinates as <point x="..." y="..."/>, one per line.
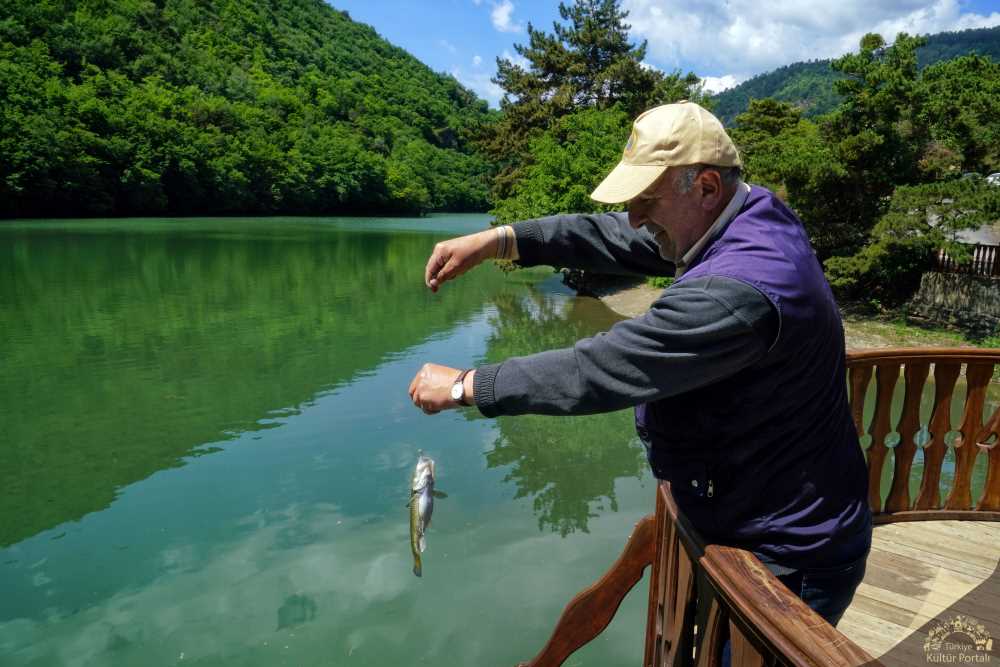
<point x="456" y="391"/>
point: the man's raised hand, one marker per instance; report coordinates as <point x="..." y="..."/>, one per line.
<point x="453" y="257"/>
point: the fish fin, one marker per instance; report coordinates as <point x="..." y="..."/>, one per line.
<point x="440" y="494"/>
<point x="421" y="544"/>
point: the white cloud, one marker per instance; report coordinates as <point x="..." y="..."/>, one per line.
<point x="480" y="84"/>
<point x="479" y="79"/>
<point x="448" y="46"/>
<point x="501" y="17"/>
<point x="516" y="58"/>
<point x="735" y="36"/>
<point x="716" y="84"/>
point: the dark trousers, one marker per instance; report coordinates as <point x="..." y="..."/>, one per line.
<point x="827" y="591"/>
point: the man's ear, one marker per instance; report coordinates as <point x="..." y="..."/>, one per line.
<point x="710" y="183"/>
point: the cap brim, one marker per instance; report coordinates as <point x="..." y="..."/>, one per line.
<point x="625" y="182"/>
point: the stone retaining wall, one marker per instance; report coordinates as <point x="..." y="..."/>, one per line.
<point x="969" y="301"/>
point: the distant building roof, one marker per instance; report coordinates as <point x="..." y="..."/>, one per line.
<point x="985" y="235"/>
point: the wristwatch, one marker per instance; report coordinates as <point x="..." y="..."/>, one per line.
<point x="458" y="389"/>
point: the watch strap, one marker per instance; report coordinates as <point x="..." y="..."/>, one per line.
<point x="460" y="380"/>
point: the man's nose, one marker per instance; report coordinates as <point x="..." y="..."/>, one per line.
<point x="636" y="218"/>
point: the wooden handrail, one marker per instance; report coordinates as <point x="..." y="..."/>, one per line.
<point x="592" y="609"/>
<point x="775" y="622"/>
<point x="767" y="622"/>
<point x="930" y="354"/>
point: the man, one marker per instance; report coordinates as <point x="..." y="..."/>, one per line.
<point x="736" y="372"/>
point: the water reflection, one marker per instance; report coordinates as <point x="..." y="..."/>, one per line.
<point x="289" y="543"/>
<point x="567" y="466"/>
<point x="362" y="603"/>
<point x="124" y="352"/>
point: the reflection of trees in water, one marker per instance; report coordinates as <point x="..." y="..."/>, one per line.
<point x="127" y="349"/>
<point x="563" y="463"/>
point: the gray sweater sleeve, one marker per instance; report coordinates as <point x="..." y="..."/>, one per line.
<point x="601" y="242"/>
<point x="696" y="333"/>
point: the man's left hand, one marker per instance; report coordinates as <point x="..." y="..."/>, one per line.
<point x="431" y="388"/>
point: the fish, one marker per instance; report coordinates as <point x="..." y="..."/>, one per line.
<point x="421" y="507"/>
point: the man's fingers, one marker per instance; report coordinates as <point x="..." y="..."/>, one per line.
<point x="443" y="273"/>
<point x="430" y="272"/>
<point x="430" y="389"/>
<point x="426" y="406"/>
<point x="437" y="259"/>
<point x="452" y="258"/>
<point x="448" y="271"/>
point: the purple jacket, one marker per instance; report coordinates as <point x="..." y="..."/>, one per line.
<point x="768" y="459"/>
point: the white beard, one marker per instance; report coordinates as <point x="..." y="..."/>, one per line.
<point x="668" y="250"/>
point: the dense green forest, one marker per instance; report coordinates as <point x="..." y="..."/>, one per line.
<point x="810" y="85"/>
<point x="134" y="107"/>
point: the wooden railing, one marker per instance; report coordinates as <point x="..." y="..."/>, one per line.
<point x="971" y="434"/>
<point x="740" y="601"/>
<point x="985" y="261"/>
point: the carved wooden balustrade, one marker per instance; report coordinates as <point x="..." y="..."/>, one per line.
<point x="741" y="601"/>
<point x="971" y="434"/>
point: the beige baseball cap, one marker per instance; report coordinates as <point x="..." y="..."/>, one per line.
<point x="666" y="136"/>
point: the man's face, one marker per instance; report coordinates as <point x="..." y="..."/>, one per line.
<point x="666" y="213"/>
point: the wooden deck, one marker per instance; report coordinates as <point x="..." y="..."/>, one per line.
<point x="919" y="574"/>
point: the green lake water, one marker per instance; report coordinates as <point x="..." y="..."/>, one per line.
<point x="206" y="445"/>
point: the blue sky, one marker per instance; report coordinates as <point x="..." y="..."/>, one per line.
<point x="722" y="41"/>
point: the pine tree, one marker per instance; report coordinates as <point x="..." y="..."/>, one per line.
<point x="875" y="132"/>
<point x="587" y="62"/>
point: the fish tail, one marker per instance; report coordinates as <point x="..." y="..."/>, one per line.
<point x="417" y="567"/>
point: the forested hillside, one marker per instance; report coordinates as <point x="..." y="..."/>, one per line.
<point x="809" y="85"/>
<point x="132" y="107"/>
